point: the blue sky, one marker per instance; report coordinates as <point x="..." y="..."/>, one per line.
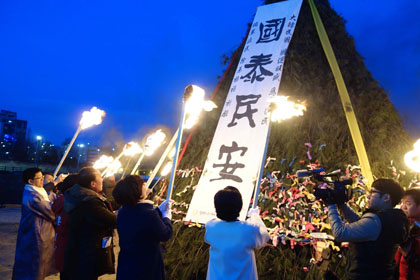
<point x="134" y="58"/>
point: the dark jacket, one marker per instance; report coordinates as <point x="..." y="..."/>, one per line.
<point x="89" y="222"/>
<point x="375" y="259"/>
<point x="141" y="229"/>
<point x="60" y="231"/>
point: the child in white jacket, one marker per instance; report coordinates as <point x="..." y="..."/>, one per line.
<point x="232" y="242"/>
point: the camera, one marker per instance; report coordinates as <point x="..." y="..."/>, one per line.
<point x="330" y="189"/>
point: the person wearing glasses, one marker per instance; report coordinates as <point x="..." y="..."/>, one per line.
<point x="35" y="240"/>
<point x="373" y="237"/>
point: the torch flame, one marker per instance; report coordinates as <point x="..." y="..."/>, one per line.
<point x="165" y="171"/>
<point x="285" y="109"/>
<point x="412" y="158"/>
<point x="195" y="104"/>
<point x="92" y="117"/>
<point x="113" y="168"/>
<point x="102" y="162"/>
<point x="209" y="105"/>
<point x="131" y="149"/>
<point x="153" y="142"/>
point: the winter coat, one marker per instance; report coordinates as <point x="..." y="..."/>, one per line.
<point x="373" y="237"/>
<point x="408" y="256"/>
<point x="232" y="247"/>
<point x="60" y="232"/>
<point x="90" y="224"/>
<point x="141" y="229"/>
<point x="35" y="239"/>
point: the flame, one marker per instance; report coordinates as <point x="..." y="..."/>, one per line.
<point x="113" y="168"/>
<point x="285" y="109"/>
<point x="195" y="104"/>
<point x="153" y="142"/>
<point x="209" y="105"/>
<point x="102" y="162"/>
<point x="412" y="158"/>
<point x="165" y="171"/>
<point x="92" y="117"/>
<point x="131" y="149"/>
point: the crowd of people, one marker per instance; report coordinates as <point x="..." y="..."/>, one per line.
<point x="68" y="227"/>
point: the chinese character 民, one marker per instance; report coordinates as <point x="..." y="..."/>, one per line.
<point x="229" y="168"/>
<point x="271" y="30"/>
<point x="245" y="101"/>
<point x="257" y="62"/>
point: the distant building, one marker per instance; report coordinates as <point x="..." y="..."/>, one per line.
<point x="92" y="154"/>
<point x="12" y="136"/>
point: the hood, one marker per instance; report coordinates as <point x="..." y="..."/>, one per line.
<point x="76" y="195"/>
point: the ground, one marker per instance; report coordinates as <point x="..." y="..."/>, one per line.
<point x="9" y="223"/>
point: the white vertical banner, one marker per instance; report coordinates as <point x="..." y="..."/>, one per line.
<point x="238" y="145"/>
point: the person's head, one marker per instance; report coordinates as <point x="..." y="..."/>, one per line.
<point x="69" y="181"/>
<point x="411" y="203"/>
<point x="90" y="178"/>
<point x="48" y="178"/>
<point x="228" y="204"/>
<point x="130" y="190"/>
<point x="33" y="176"/>
<point x="384" y="194"/>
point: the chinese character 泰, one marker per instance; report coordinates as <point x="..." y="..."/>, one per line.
<point x="257" y="62"/>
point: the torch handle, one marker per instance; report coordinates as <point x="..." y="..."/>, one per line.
<point x="175" y="160"/>
<point x="126" y="167"/>
<point x="117" y="158"/>
<point x="67" y="151"/>
<point x="162" y="159"/>
<point x="137" y="163"/>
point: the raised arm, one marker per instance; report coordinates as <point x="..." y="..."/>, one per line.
<point x="367" y="228"/>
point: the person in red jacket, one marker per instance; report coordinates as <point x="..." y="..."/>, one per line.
<point x="408" y="255"/>
<point x="61" y="223"/>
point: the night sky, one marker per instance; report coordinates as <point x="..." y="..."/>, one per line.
<point x="134" y="58"/>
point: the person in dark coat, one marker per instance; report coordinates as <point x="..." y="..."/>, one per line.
<point x="89" y="250"/>
<point x="373" y="237"/>
<point x="141" y="228"/>
<point x="61" y="223"/>
<point x="35" y="239"/>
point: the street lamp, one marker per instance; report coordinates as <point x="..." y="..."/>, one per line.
<point x="38" y="142"/>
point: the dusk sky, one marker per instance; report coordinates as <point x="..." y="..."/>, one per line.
<point x="134" y="58"/>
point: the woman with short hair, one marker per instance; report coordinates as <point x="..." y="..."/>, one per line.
<point x="232" y="242"/>
<point x="141" y="228"/>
